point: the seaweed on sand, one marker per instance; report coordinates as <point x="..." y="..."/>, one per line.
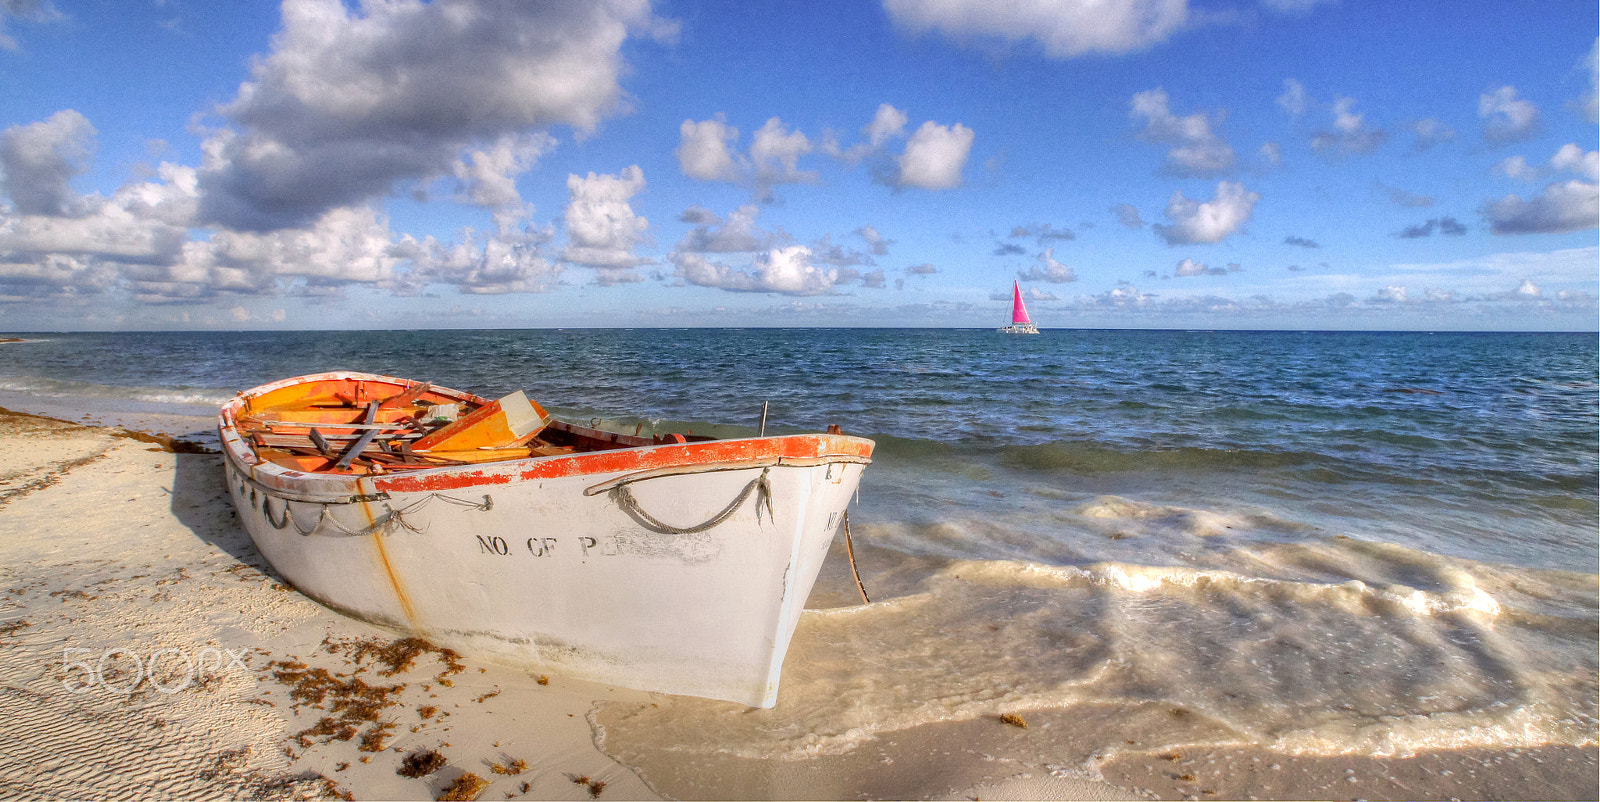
<point x="464" y="788"/>
<point x="421" y="764"/>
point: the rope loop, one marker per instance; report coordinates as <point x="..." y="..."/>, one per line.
<point x="759" y="485"/>
<point x="390" y="520"/>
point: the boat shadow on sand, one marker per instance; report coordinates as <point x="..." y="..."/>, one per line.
<point x="200" y="502"/>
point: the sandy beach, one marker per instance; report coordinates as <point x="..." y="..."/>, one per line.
<point x="149" y="652"/>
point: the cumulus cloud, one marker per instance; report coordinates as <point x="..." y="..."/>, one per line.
<point x="59" y="277"/>
<point x="1196" y="222"/>
<point x="1350" y="133"/>
<point x="1400" y="197"/>
<point x="1046" y="268"/>
<point x="738" y="234"/>
<point x="488" y="177"/>
<point x="1561" y="207"/>
<point x="351" y="101"/>
<point x="924" y="269"/>
<point x="143" y="227"/>
<point x="510" y="259"/>
<point x="1430" y="131"/>
<point x="775" y="265"/>
<point x="784" y="271"/>
<point x="775" y="153"/>
<point x="1507" y="118"/>
<point x="888" y="123"/>
<point x="1447" y="226"/>
<point x="1122" y="296"/>
<point x="825" y="251"/>
<point x="1189" y="267"/>
<point x="1127" y="215"/>
<point x="1293" y="99"/>
<point x="1572" y="159"/>
<point x="345" y="245"/>
<point x="1517" y="168"/>
<point x="876" y="243"/>
<point x="29" y="10"/>
<point x="698" y="215"/>
<point x="1061" y="28"/>
<point x="1300" y="242"/>
<point x="934" y="157"/>
<point x="705" y="150"/>
<point x="1196" y="150"/>
<point x="1270" y="154"/>
<point x="602" y="229"/>
<point x="1043" y="232"/>
<point x="1392" y="294"/>
<point x="40" y="159"/>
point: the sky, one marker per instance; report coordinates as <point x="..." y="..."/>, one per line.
<point x="397" y="164"/>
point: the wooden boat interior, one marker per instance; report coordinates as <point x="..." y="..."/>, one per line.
<point x="360" y="427"/>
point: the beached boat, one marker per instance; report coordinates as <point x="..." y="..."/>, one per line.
<point x="671" y="563"/>
<point x="1020" y="324"/>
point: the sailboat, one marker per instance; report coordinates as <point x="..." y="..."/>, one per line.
<point x="1020" y="324"/>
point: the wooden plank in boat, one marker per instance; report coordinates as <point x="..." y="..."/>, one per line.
<point x="285" y="424"/>
<point x="271" y="440"/>
<point x="362" y="442"/>
<point x="406" y="397"/>
<point x="321" y="443"/>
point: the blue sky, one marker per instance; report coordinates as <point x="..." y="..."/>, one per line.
<point x="1320" y="164"/>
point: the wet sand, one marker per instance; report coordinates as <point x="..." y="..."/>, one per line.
<point x="146" y="650"/>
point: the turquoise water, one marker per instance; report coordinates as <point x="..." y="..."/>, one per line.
<point x="1323" y="542"/>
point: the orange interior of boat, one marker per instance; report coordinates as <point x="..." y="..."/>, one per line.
<point x="360" y="427"/>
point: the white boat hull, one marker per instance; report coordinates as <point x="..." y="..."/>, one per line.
<point x="582" y="564"/>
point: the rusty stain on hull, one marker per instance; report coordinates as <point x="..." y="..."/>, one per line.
<point x="388" y="567"/>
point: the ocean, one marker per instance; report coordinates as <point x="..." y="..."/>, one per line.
<point x="1315" y="543"/>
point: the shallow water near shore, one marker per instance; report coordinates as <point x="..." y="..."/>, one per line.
<point x="1319" y="544"/>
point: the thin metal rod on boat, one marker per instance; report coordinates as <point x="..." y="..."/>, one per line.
<point x="764" y="418"/>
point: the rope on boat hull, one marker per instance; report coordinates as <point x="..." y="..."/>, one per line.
<point x="630" y="505"/>
<point x="389" y="520"/>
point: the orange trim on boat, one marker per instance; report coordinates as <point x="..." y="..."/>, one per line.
<point x="796" y="447"/>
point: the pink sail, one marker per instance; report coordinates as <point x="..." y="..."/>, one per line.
<point x="1019" y="310"/>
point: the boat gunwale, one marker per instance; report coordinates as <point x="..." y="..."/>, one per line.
<point x="799" y="450"/>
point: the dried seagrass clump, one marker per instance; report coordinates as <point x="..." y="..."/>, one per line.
<point x="465" y="788"/>
<point x="420" y="764"/>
